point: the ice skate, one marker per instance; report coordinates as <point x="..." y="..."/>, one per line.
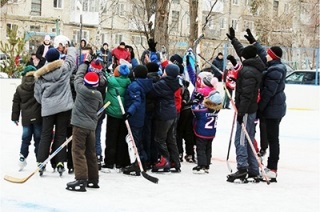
<point x="199" y="170"/>
<point x="132" y="169"/>
<point x="93" y="184"/>
<point x="78" y="185"/>
<point x="41" y="169"/>
<point x="254" y="178"/>
<point x="190" y="158"/>
<point x="70" y="171"/>
<point x="162" y="166"/>
<point x="60" y="168"/>
<point x="174" y="168"/>
<point x="22" y="162"/>
<point x="99" y="160"/>
<point x="241" y="175"/>
<point x="271" y="174"/>
<point x="181" y="157"/>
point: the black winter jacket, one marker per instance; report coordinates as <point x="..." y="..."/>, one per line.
<point x="24" y="101"/>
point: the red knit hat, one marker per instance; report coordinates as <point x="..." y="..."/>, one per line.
<point x="95" y="66"/>
<point x="91" y="79"/>
<point x="275" y="52"/>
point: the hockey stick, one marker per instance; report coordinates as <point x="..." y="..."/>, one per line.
<point x="230" y="140"/>
<point x="213" y="66"/>
<point x="144" y="174"/>
<point x="249" y="139"/>
<point x="22" y="180"/>
<point x="103" y="108"/>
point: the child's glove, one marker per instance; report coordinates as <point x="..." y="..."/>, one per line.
<point x="232" y="59"/>
<point x="126" y="116"/>
<point x="231" y="34"/>
<point x="250" y="37"/>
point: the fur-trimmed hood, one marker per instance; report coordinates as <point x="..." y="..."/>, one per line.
<point x="53" y="67"/>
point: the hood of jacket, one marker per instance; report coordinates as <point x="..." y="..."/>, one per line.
<point x="50" y="71"/>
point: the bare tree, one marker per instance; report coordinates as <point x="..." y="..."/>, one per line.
<point x="161" y="34"/>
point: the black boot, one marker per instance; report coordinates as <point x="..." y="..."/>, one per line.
<point x="93" y="184"/>
<point x="240" y="174"/>
<point x="133" y="169"/>
<point x="78" y="185"/>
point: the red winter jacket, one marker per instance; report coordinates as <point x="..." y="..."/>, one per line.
<point x="120" y="53"/>
<point x="178" y="99"/>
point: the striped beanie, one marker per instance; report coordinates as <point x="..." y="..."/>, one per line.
<point x="91" y="79"/>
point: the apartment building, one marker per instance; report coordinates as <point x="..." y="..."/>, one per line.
<point x="113" y="21"/>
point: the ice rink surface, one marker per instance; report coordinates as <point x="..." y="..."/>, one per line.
<point x="298" y="187"/>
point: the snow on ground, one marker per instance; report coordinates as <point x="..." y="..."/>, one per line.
<point x="297" y="188"/>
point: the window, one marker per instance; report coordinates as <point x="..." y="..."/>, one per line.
<point x="234" y="24"/>
<point x="90" y="6"/>
<point x="120" y="9"/>
<point x="76" y="36"/>
<point x="53" y="29"/>
<point x="136" y="40"/>
<point x="118" y="38"/>
<point x="137" y="11"/>
<point x="11" y="27"/>
<point x="176" y="1"/>
<point x="175" y="20"/>
<point x="13" y="1"/>
<point x="35" y="8"/>
<point x="57" y="4"/>
<point x="34" y="28"/>
<point x="275" y="7"/>
<point x="249" y="2"/>
<point x="235" y="2"/>
<point x="104" y="38"/>
<point x="248" y="24"/>
<point x="286" y="8"/>
<point x="222" y="23"/>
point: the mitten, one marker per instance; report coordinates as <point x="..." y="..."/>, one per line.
<point x="231" y="34"/>
<point x="152" y="45"/>
<point x="250" y="37"/>
<point x="126" y="116"/>
<point x="232" y="59"/>
<point x="240" y="118"/>
<point x="198" y="96"/>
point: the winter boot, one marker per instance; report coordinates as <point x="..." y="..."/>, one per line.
<point x="240" y="174"/>
<point x="132" y="169"/>
<point x="60" y="168"/>
<point x="93" y="184"/>
<point x="22" y="162"/>
<point x="163" y="165"/>
<point x="78" y="185"/>
<point x="99" y="160"/>
<point x="199" y="170"/>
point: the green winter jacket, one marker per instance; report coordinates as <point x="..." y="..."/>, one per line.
<point x="116" y="83"/>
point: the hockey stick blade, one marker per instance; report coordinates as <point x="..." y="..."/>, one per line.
<point x="22" y="180"/>
<point x="149" y="177"/>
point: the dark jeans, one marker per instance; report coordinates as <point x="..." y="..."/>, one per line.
<point x="116" y="151"/>
<point x="61" y="121"/>
<point x="27" y="133"/>
<point x="204" y="151"/>
<point x="149" y="144"/>
<point x="272" y="128"/>
<point x="165" y="137"/>
<point x="137" y="136"/>
<point x="185" y="131"/>
<point x="98" y="135"/>
<point x="84" y="154"/>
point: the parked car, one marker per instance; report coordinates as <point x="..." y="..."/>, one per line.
<point x="304" y="77"/>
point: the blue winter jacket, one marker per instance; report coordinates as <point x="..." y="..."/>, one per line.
<point x="135" y="100"/>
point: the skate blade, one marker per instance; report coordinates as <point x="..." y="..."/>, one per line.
<point x="75" y="189"/>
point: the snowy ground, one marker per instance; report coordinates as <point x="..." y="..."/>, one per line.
<point x="298" y="187"/>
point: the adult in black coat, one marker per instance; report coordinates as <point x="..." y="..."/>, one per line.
<point x="272" y="106"/>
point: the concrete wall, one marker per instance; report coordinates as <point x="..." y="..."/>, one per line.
<point x="299" y="97"/>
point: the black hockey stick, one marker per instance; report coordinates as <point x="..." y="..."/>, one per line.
<point x="249" y="140"/>
<point x="144" y="174"/>
<point x="213" y="66"/>
<point x="230" y="141"/>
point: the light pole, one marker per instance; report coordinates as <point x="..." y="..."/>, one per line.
<point x="79" y="6"/>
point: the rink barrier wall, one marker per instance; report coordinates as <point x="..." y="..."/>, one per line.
<point x="299" y="97"/>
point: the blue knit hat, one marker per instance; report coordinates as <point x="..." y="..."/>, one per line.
<point x="52" y="55"/>
<point x="124" y="70"/>
<point x="172" y="70"/>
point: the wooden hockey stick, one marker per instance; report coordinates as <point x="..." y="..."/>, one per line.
<point x="144" y="174"/>
<point x="22" y="180"/>
<point x="249" y="139"/>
